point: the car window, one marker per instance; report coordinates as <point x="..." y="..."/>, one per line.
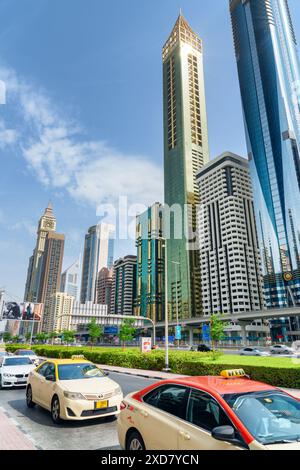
<point x="50" y="370"/>
<point x="43" y="369"/>
<point x="169" y="398"/>
<point x="205" y="412"/>
<point x="16" y="361"/>
<point x="78" y="371"/>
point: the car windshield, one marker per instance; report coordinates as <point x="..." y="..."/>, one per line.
<point x="271" y="417"/>
<point x="26" y="353"/>
<point x="17" y="361"/>
<point x="78" y="371"/>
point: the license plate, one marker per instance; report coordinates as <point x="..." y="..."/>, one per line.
<point x="21" y="380"/>
<point x="101" y="404"/>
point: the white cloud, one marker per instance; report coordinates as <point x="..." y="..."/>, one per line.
<point x="7" y="136"/>
<point x="56" y="150"/>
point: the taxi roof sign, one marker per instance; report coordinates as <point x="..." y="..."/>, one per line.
<point x="77" y="356"/>
<point x="232" y="373"/>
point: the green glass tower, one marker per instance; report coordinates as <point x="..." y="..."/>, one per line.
<point x="149" y="299"/>
<point x="185" y="152"/>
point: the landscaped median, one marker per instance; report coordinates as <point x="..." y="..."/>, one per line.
<point x="281" y="372"/>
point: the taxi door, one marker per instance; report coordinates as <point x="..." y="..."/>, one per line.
<point x="160" y="415"/>
<point x="46" y="387"/>
<point x="203" y="415"/>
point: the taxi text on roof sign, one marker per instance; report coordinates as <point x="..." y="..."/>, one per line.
<point x="228" y="374"/>
<point x="79" y="356"/>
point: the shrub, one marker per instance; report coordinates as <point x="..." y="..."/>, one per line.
<point x="280" y="372"/>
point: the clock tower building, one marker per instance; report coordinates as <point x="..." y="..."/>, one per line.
<point x="47" y="223"/>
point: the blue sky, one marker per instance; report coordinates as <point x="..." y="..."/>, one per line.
<point x="83" y="119"/>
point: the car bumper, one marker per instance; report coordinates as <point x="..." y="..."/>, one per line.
<point x="8" y="382"/>
<point x="85" y="409"/>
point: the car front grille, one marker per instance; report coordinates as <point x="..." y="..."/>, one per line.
<point x="100" y="396"/>
<point x="20" y="376"/>
<point x="87" y="413"/>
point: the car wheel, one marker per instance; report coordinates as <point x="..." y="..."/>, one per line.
<point x="135" y="441"/>
<point x="29" y="401"/>
<point x="1" y="382"/>
<point x="55" y="410"/>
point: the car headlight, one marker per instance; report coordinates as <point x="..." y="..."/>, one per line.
<point x="74" y="396"/>
<point x="8" y="375"/>
<point x="117" y="391"/>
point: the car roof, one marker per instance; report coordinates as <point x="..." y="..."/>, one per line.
<point x="67" y="361"/>
<point x="14" y="357"/>
<point x="223" y="386"/>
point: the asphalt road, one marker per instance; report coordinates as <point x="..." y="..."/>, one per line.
<point x="89" y="435"/>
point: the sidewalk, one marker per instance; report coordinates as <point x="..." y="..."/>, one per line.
<point x="11" y="436"/>
<point x="153" y="374"/>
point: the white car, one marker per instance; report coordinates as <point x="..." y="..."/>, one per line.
<point x="14" y="371"/>
<point x="281" y="349"/>
<point x="29" y="353"/>
<point x="252" y="352"/>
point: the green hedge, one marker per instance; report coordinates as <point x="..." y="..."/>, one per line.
<point x="281" y="372"/>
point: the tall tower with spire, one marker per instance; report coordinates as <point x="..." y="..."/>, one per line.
<point x="185" y="152"/>
<point x="47" y="223"/>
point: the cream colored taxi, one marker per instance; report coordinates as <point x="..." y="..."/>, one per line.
<point x="230" y="412"/>
<point x="73" y="389"/>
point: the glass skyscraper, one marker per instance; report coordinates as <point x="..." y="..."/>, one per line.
<point x="97" y="254"/>
<point x="269" y="72"/>
<point x="185" y="151"/>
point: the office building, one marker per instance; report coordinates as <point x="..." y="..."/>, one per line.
<point x="47" y="224"/>
<point x="104" y="286"/>
<point x="61" y="308"/>
<point x="150" y="264"/>
<point x="268" y="68"/>
<point x="50" y="276"/>
<point x="98" y="253"/>
<point x="123" y="286"/>
<point x="70" y="280"/>
<point x="230" y="263"/>
<point x="185" y="151"/>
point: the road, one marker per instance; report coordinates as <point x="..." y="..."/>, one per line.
<point x="89" y="435"/>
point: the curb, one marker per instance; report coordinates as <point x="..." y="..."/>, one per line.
<point x="134" y="374"/>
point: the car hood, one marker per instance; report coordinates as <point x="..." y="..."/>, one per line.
<point x="288" y="446"/>
<point x="18" y="369"/>
<point x="96" y="385"/>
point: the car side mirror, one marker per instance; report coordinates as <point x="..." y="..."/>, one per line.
<point x="224" y="433"/>
<point x="106" y="373"/>
<point x="50" y="378"/>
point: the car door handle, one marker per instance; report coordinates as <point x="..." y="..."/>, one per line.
<point x="185" y="435"/>
<point x="145" y="414"/>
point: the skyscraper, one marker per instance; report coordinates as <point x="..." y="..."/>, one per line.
<point x="98" y="253"/>
<point x="150" y="263"/>
<point x="185" y="151"/>
<point x="123" y="286"/>
<point x="70" y="280"/>
<point x="50" y="276"/>
<point x="47" y="223"/>
<point x="230" y="263"/>
<point x="104" y="286"/>
<point x="268" y="68"/>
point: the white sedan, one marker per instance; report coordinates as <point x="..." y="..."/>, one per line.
<point x="252" y="352"/>
<point x="281" y="349"/>
<point x="14" y="371"/>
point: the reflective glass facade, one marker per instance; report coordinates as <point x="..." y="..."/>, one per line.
<point x="150" y="264"/>
<point x="268" y="68"/>
<point x="185" y="151"/>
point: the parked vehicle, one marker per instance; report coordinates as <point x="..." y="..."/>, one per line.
<point x="281" y="349"/>
<point x="252" y="352"/>
<point x="29" y="353"/>
<point x="203" y="348"/>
